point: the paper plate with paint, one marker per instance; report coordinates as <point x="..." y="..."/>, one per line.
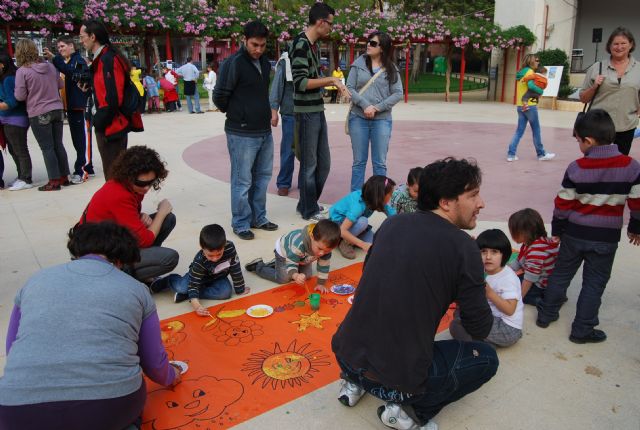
<point x="260" y="311"/>
<point x="350" y="300"/>
<point x="181" y="365"/>
<point x="343" y="289"/>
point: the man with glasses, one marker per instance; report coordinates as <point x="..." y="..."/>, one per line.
<point x="311" y="142"/>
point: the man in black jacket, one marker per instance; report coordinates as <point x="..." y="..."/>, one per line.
<point x="70" y="62"/>
<point x="418" y="265"/>
<point x="242" y="92"/>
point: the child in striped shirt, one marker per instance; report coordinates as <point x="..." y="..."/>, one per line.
<point x="296" y="251"/>
<point x="537" y="255"/>
<point x="208" y="276"/>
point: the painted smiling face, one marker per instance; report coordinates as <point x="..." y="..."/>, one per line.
<point x="202" y="399"/>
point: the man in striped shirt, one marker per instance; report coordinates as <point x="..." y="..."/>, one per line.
<point x="588" y="219"/>
<point x="208" y="276"/>
<point x="312" y="144"/>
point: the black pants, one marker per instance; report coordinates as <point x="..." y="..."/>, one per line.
<point x="623" y="140"/>
<point x="80" y="142"/>
<point x="109" y="151"/>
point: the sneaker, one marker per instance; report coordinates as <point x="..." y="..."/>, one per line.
<point x="393" y="416"/>
<point x="317" y="217"/>
<point x="347" y="250"/>
<point x="251" y="266"/>
<point x="323" y="209"/>
<point x="76" y="179"/>
<point x="547" y="156"/>
<point x="349" y="393"/>
<point x="267" y="226"/>
<point x="283" y="192"/>
<point x="180" y="297"/>
<point x="50" y="186"/>
<point x="245" y="235"/>
<point x="157" y="285"/>
<point x="511" y="158"/>
<point x="595" y="336"/>
<point x="19" y="184"/>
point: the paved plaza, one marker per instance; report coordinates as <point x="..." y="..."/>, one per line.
<point x="544" y="381"/>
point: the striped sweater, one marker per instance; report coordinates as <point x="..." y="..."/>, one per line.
<point x="305" y="65"/>
<point x="295" y="247"/>
<point x="537" y="260"/>
<point x="594" y="191"/>
<point x="203" y="271"/>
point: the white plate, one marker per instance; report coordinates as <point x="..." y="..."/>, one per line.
<point x="342" y="289"/>
<point x="259" y="311"/>
<point x="181" y="364"/>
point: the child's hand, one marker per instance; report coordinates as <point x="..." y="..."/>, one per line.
<point x="555" y="239"/>
<point x="634" y="239"/>
<point x="299" y="278"/>
<point x="321" y="288"/>
<point x="365" y="246"/>
<point x="202" y="311"/>
<point x="247" y="290"/>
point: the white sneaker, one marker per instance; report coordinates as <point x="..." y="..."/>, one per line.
<point x="350" y="393"/>
<point x="511" y="158"/>
<point x="317" y="217"/>
<point x="393" y="416"/>
<point x="19" y="184"/>
<point x="547" y="156"/>
<point x="76" y="179"/>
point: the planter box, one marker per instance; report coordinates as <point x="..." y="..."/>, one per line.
<point x="564" y="105"/>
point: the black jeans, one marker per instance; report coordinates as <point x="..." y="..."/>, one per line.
<point x="457" y="369"/>
<point x="109" y="151"/>
<point x="47" y="128"/>
<point x="19" y="151"/>
<point x="315" y="160"/>
<point x="81" y="144"/>
<point x="624" y="140"/>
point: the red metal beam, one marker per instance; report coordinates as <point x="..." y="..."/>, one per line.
<point x="462" y="67"/>
<point x="7" y="29"/>
<point x="352" y="52"/>
<point x="168" y="47"/>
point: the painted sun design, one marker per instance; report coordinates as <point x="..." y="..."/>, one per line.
<point x="313" y="320"/>
<point x="293" y="366"/>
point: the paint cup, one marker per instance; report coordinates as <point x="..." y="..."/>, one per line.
<point x="314" y="301"/>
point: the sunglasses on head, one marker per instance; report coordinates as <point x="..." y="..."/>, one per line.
<point x="374" y="43"/>
<point x="138" y="183"/>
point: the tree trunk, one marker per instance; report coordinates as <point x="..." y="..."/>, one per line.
<point x="415" y="69"/>
<point x="448" y="74"/>
<point x="156" y="52"/>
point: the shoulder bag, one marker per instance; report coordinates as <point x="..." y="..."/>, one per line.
<point x="587" y="106"/>
<point x="361" y="92"/>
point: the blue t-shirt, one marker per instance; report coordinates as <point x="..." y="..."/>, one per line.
<point x="353" y="207"/>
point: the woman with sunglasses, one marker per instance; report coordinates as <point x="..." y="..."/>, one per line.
<point x="133" y="173"/>
<point x="370" y="115"/>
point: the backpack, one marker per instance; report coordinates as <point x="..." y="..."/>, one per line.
<point x="131" y="100"/>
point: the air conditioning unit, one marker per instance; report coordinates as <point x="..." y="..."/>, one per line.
<point x="577" y="52"/>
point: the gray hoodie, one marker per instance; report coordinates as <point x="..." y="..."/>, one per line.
<point x="39" y="84"/>
<point x="379" y="94"/>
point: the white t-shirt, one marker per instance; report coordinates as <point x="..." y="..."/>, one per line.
<point x="507" y="285"/>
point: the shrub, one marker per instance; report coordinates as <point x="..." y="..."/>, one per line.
<point x="557" y="57"/>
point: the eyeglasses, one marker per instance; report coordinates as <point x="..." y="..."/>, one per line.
<point x="374" y="43"/>
<point x="138" y="183"/>
<point x="328" y="22"/>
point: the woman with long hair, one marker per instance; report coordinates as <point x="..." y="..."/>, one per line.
<point x="619" y="84"/>
<point x="528" y="115"/>
<point x="15" y="123"/>
<point x="375" y="86"/>
<point x="38" y="83"/>
<point x="133" y="174"/>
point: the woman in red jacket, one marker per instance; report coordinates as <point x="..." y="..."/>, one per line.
<point x="133" y="174"/>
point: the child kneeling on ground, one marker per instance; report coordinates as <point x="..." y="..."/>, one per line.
<point x="352" y="213"/>
<point x="502" y="291"/>
<point x="296" y="251"/>
<point x="208" y="276"/>
<point x="405" y="198"/>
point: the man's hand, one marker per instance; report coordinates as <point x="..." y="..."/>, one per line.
<point x="274" y="118"/>
<point x="344" y="91"/>
<point x="299" y="278"/>
<point x="146" y="219"/>
<point x="83" y="87"/>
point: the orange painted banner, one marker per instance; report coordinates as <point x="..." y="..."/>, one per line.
<point x="241" y="366"/>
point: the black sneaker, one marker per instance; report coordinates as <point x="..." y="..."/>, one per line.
<point x="157" y="285"/>
<point x="268" y="226"/>
<point x="595" y="336"/>
<point x="251" y="266"/>
<point x="180" y="297"/>
<point x="245" y="235"/>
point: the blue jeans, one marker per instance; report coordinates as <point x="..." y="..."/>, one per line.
<point x="315" y="160"/>
<point x="530" y="116"/>
<point x="457" y="369"/>
<point x="598" y="260"/>
<point x="196" y="96"/>
<point x="363" y="131"/>
<point x="286" y="152"/>
<point x="361" y="230"/>
<point x="218" y="289"/>
<point x="251" y="166"/>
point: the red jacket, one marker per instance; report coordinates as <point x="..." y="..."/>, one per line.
<point x="115" y="202"/>
<point x="109" y="76"/>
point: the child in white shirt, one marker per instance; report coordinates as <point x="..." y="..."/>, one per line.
<point x="502" y="290"/>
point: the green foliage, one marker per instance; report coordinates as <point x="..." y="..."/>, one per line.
<point x="557" y="57"/>
<point x="520" y="33"/>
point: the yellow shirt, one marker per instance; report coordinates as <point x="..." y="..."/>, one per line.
<point x="135" y="78"/>
<point x="522" y="88"/>
<point x="336" y="74"/>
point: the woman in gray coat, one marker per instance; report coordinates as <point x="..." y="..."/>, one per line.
<point x="370" y="115"/>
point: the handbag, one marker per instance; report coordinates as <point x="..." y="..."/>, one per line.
<point x="361" y="92"/>
<point x="587" y="106"/>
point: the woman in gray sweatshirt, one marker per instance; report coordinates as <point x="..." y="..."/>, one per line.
<point x="370" y="115"/>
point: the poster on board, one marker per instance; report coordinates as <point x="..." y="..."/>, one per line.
<point x="554" y="74"/>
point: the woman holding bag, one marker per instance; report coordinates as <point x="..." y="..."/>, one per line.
<point x="613" y="84"/>
<point x="375" y="86"/>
